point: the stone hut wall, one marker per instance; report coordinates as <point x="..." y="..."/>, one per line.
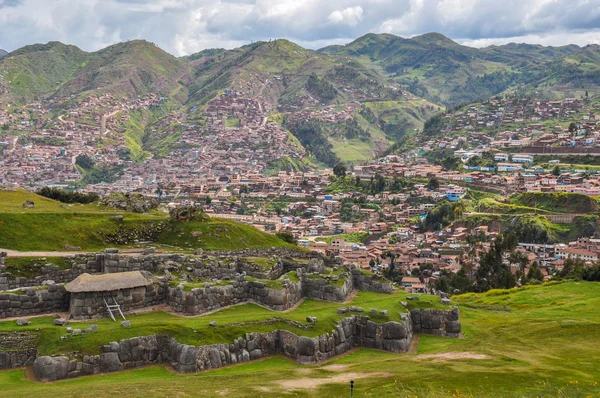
<point x="33" y="302"/>
<point x="91" y="304"/>
<point x="436" y="322"/>
<point x="142" y="351"/>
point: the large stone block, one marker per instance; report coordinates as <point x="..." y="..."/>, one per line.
<point x="51" y="368"/>
<point x="306" y="346"/>
<point x="393" y="331"/>
<point x="110" y="362"/>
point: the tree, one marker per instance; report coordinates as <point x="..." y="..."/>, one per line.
<point x="84" y="161"/>
<point x="535" y="273"/>
<point x="493" y="272"/>
<point x="433" y="184"/>
<point x="572" y="127"/>
<point x="339" y="170"/>
<point x="372" y="263"/>
<point x="286" y="237"/>
<point x="357" y="181"/>
<point x="556" y="171"/>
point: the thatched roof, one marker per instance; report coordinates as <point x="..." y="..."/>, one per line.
<point x="107" y="282"/>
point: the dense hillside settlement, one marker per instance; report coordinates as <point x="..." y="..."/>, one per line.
<point x="273" y="207"/>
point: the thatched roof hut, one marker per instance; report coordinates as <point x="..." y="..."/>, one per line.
<point x="107" y="282"/>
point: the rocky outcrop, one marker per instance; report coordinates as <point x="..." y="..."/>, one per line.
<point x="130" y="202"/>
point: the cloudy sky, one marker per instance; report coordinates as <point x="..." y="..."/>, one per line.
<point x="186" y="26"/>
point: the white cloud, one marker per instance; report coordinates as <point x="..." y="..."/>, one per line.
<point x="350" y="16"/>
<point x="186" y="26"/>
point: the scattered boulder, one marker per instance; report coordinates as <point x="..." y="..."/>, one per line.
<point x="311" y="319"/>
<point x="342" y="310"/>
<point x="28" y="204"/>
<point x="446" y="301"/>
<point x="374" y="311"/>
<point x="76" y="332"/>
<point x="413" y="298"/>
<point x="384" y="312"/>
<point x="60" y="322"/>
<point x="118" y="218"/>
<point x="126" y="324"/>
<point x="213" y="324"/>
<point x="23" y="322"/>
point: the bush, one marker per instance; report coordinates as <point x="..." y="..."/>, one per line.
<point x="67" y="196"/>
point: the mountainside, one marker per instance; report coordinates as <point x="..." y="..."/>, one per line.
<point x="132" y="68"/>
<point x="37" y="71"/>
<point x="3" y="53"/>
<point x="342" y="103"/>
<point x="129" y="69"/>
<point x="435" y="67"/>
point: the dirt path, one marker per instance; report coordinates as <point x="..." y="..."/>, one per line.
<point x="310" y="382"/>
<point x="16" y="253"/>
<point x="452" y="355"/>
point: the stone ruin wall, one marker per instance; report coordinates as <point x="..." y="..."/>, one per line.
<point x="436" y="322"/>
<point x="17" y="349"/>
<point x="83" y="263"/>
<point x="34" y="302"/>
<point x="210" y="298"/>
<point x="351" y="332"/>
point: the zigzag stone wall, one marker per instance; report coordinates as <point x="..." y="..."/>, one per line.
<point x="141" y="351"/>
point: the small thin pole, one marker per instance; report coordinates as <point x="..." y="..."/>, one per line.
<point x="351" y="388"/>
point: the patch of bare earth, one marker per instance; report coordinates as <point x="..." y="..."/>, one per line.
<point x="310" y="383"/>
<point x="452" y="355"/>
<point x="335" y="367"/>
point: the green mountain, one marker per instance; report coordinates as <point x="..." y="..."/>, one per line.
<point x="290" y="78"/>
<point x="434" y="67"/>
<point x="3" y="53"/>
<point x="393" y="84"/>
<point x="129" y="69"/>
<point x="133" y="68"/>
<point x="37" y="71"/>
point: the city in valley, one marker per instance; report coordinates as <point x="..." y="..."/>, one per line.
<point x="395" y="216"/>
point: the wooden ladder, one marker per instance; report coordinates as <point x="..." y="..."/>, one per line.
<point x="113" y="308"/>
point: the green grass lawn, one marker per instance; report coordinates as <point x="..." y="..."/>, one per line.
<point x="51" y="225"/>
<point x="545" y="344"/>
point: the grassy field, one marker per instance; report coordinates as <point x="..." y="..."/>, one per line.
<point x="539" y="341"/>
<point x="51" y="225"/>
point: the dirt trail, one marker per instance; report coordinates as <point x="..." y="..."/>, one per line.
<point x="310" y="383"/>
<point x="16" y="253"/>
<point x="452" y="355"/>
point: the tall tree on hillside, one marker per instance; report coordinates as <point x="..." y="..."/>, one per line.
<point x="433" y="184"/>
<point x="339" y="170"/>
<point x="493" y="271"/>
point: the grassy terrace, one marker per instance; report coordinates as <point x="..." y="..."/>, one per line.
<point x="195" y="330"/>
<point x="51" y="225"/>
<point x="537" y="341"/>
